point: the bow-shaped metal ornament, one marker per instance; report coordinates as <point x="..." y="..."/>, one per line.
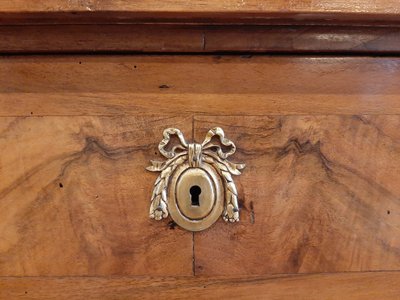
<point x="196" y="155"/>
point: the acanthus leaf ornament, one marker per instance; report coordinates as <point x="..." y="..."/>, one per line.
<point x="191" y="165"/>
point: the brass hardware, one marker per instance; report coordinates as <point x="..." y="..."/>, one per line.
<point x="195" y="185"/>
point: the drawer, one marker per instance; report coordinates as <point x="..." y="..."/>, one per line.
<point x="319" y="197"/>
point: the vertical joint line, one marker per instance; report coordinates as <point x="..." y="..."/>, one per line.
<point x="194" y="257"/>
<point x="193" y="254"/>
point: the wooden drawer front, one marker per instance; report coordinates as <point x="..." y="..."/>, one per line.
<point x="319" y="194"/>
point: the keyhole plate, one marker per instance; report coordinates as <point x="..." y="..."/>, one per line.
<point x="190" y="178"/>
<point x="195" y="217"/>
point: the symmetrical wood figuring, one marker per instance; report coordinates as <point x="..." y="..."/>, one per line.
<point x="343" y="286"/>
<point x="74" y="198"/>
<point x="319" y="194"/>
<point x="215" y="85"/>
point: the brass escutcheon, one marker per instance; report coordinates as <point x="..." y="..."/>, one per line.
<point x="195" y="185"/>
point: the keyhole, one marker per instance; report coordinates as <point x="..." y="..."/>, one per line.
<point x="195" y="191"/>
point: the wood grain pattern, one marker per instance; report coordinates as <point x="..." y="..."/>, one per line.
<point x="365" y="286"/>
<point x="145" y="85"/>
<point x="319" y="194"/>
<point x="74" y="198"/>
<point x="199" y="39"/>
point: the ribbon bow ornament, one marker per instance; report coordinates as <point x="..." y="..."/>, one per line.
<point x="195" y="154"/>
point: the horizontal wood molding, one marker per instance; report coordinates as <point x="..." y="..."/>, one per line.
<point x="214" y="11"/>
<point x="164" y="38"/>
<point x="197" y="6"/>
<point x="351" y="286"/>
<point x="186" y="26"/>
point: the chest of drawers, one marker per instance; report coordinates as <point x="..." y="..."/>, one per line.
<point x="82" y="113"/>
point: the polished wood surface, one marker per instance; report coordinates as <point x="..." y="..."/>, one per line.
<point x="117" y="11"/>
<point x="215" y="85"/>
<point x="343" y="286"/>
<point x="188" y="38"/>
<point x="74" y="198"/>
<point x="319" y="194"/>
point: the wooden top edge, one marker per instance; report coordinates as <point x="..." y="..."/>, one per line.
<point x="201" y="6"/>
<point x="200" y="11"/>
